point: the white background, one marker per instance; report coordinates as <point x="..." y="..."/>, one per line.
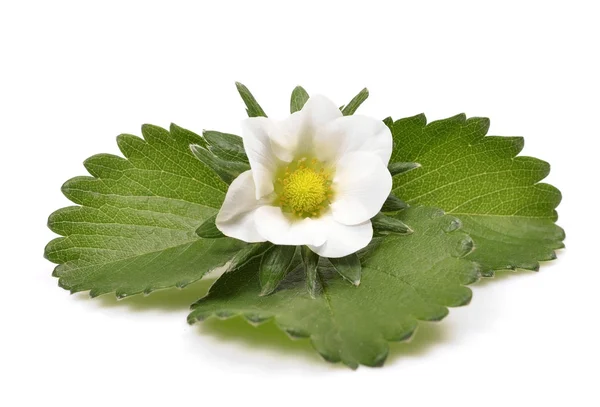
<point x="73" y="75"/>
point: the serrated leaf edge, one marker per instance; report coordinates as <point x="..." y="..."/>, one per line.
<point x="257" y="319"/>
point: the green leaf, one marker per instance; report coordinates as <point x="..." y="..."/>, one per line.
<point x="275" y="264"/>
<point x="406" y="279"/>
<point x="310" y="262"/>
<point x="355" y="103"/>
<point x="299" y="98"/>
<point x="383" y="225"/>
<point x="208" y="229"/>
<point x="134" y="229"/>
<point x="348" y="267"/>
<point x="228" y="147"/>
<point x="226" y="170"/>
<point x="252" y="107"/>
<point x="480" y="179"/>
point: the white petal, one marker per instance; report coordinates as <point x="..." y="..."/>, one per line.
<point x="286" y="136"/>
<point x="270" y="144"/>
<point x="361" y="184"/>
<point x="279" y="228"/>
<point x="343" y="240"/>
<point x="354" y="133"/>
<point x="263" y="161"/>
<point x="292" y="137"/>
<point x="319" y="110"/>
<point x="236" y="216"/>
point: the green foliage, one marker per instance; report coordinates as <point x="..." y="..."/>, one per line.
<point x="208" y="229"/>
<point x="310" y="263"/>
<point x="274" y="266"/>
<point x="147" y="221"/>
<point x="389" y="122"/>
<point x="404" y="279"/>
<point x="480" y="179"/>
<point x="383" y="225"/>
<point x="134" y="229"/>
<point x="299" y="98"/>
<point x="393" y="204"/>
<point x="355" y="103"/>
<point x="396" y="168"/>
<point x="228" y="147"/>
<point x="226" y="170"/>
<point x="253" y="109"/>
<point x="348" y="267"/>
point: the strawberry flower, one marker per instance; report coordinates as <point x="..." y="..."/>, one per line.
<point x="316" y="178"/>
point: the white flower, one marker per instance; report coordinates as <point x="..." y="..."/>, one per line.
<point x="316" y="179"/>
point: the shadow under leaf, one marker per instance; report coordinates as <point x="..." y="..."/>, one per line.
<point x="171" y="299"/>
<point x="427" y="335"/>
<point x="500" y="275"/>
<point x="266" y="336"/>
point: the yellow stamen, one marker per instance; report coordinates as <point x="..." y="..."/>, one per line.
<point x="304" y="190"/>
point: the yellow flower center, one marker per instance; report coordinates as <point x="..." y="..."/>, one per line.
<point x="304" y="188"/>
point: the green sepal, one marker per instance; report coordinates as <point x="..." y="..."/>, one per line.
<point x="399" y="168"/>
<point x="384" y="225"/>
<point x="184" y="134"/>
<point x="226" y="170"/>
<point x="208" y="229"/>
<point x="388" y="121"/>
<point x="348" y="267"/>
<point x="249" y="252"/>
<point x="228" y="147"/>
<point x="253" y="109"/>
<point x="356" y="101"/>
<point x="275" y="265"/>
<point x="310" y="261"/>
<point x="393" y="204"/>
<point x="299" y="98"/>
